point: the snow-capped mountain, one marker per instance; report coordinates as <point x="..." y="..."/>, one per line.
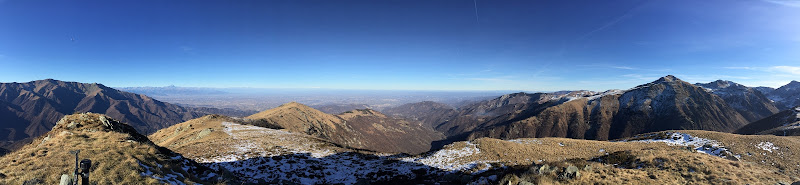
<point x="749" y="102"/>
<point x="667" y="103"/>
<point x="787" y="96"/>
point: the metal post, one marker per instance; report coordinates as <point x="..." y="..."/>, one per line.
<point x="75" y="173"/>
<point x="84" y="168"/>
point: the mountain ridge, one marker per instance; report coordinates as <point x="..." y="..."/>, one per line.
<point x="666" y="103"/>
<point x="32" y="108"/>
<point x="360" y="128"/>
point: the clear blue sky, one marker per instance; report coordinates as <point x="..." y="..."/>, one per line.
<point x="412" y="45"/>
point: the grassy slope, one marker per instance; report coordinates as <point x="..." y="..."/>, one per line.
<point x="117" y="152"/>
<point x="659" y="162"/>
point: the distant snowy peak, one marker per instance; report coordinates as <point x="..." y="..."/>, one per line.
<point x="787" y="96"/>
<point x="764" y="90"/>
<point x="790" y="87"/>
<point x="749" y="102"/>
<point x="724" y="87"/>
<point x="590" y="95"/>
<point x="720" y="84"/>
<point x="669" y="79"/>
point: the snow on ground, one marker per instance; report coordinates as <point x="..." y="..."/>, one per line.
<point x="168" y="178"/>
<point x="453" y="159"/>
<point x="702" y="145"/>
<point x="590" y="95"/>
<point x="301" y="161"/>
<point x="768" y="146"/>
<point x="526" y="141"/>
<point x="247" y="147"/>
<point x="797" y="113"/>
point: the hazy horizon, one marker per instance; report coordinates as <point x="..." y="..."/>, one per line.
<point x="532" y="46"/>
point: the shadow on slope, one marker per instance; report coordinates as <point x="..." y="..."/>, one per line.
<point x="340" y="168"/>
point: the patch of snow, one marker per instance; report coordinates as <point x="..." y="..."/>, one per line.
<point x="314" y="165"/>
<point x="767" y="146"/>
<point x="702" y="145"/>
<point x="168" y="178"/>
<point x="246" y="148"/>
<point x="453" y="159"/>
<point x="525" y="141"/>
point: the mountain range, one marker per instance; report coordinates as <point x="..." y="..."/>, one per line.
<point x="667" y="103"/>
<point x="785" y="97"/>
<point x="28" y="110"/>
<point x="515" y="138"/>
<point x="752" y="104"/>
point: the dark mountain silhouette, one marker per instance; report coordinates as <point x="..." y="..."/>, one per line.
<point x="784" y="123"/>
<point x="30" y="109"/>
<point x="764" y="90"/>
<point x="431" y="114"/>
<point x="787" y="96"/>
<point x="173" y="91"/>
<point x="220" y="111"/>
<point x="340" y="108"/>
<point x="667" y="103"/>
<point x="749" y="102"/>
<point x="361" y="128"/>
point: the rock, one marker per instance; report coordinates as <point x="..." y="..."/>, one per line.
<point x="65" y="179"/>
<point x="34" y="181"/>
<point x="588" y="167"/>
<point x="44" y="140"/>
<point x="72" y="125"/>
<point x="204" y="133"/>
<point x="571" y="172"/>
<point x="544" y="169"/>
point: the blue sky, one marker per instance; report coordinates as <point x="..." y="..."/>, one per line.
<point x="408" y="45"/>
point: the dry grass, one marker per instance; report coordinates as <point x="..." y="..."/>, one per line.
<point x="205" y="138"/>
<point x="115" y="154"/>
<point x="642" y="163"/>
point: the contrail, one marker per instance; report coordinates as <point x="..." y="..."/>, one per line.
<point x="476" y="10"/>
<point x="627" y="15"/>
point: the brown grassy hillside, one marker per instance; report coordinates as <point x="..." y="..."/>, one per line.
<point x="28" y="110"/>
<point x="752" y="160"/>
<point x="119" y="155"/>
<point x="365" y="128"/>
<point x="664" y="104"/>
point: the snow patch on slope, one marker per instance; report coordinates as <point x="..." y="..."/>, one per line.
<point x="246" y="148"/>
<point x="301" y="161"/>
<point x="526" y="141"/>
<point x="702" y="145"/>
<point x="454" y="159"/>
<point x="168" y="178"/>
<point x="767" y="146"/>
<point x="590" y="95"/>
